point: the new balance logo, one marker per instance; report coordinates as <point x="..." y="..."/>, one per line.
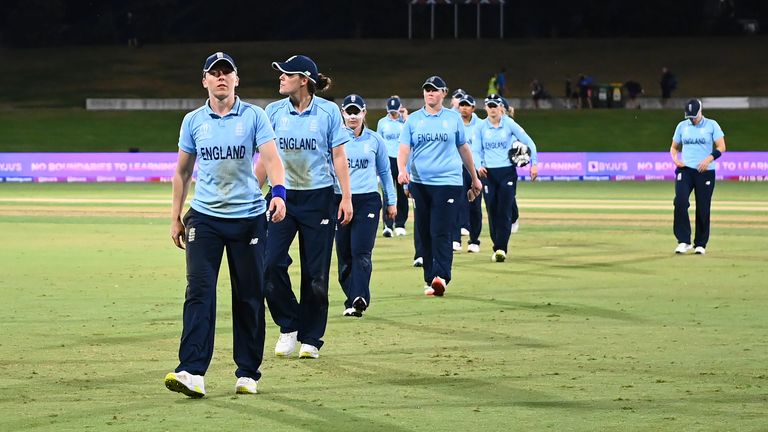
<point x="371" y="215"/>
<point x="324" y="222"/>
<point x="254" y="241"/>
<point x="450" y="201"/>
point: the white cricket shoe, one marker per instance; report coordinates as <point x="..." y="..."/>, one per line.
<point x="400" y="231"/>
<point x="246" y="385"/>
<point x="499" y="256"/>
<point x="308" y="352"/>
<point x="473" y="248"/>
<point x="456" y="246"/>
<point x="464" y="232"/>
<point x="699" y="250"/>
<point x="418" y="262"/>
<point x="683" y="248"/>
<point x="286" y="344"/>
<point x="387" y="232"/>
<point x="352" y="312"/>
<point x="186" y="383"/>
<point x="515" y="227"/>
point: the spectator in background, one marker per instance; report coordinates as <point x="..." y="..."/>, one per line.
<point x="492" y="85"/>
<point x="668" y="83"/>
<point x="633" y="89"/>
<point x="567" y="93"/>
<point x="130" y="30"/>
<point x="585" y="91"/>
<point x="501" y="82"/>
<point x="537" y="92"/>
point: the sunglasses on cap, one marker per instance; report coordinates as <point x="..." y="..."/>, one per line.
<point x="492" y="104"/>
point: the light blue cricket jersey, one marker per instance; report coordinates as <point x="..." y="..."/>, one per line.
<point x="390" y="130"/>
<point x="491" y="144"/>
<point x="367" y="157"/>
<point x="434" y="140"/>
<point x="305" y="141"/>
<point x="469" y="132"/>
<point x="224" y="147"/>
<point x="697" y="141"/>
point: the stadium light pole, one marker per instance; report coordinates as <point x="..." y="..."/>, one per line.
<point x="456" y="20"/>
<point x="478" y="20"/>
<point x="432" y="22"/>
<point x="501" y="19"/>
<point x="410" y="21"/>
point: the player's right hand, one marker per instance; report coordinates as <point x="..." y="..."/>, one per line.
<point x="178" y="233"/>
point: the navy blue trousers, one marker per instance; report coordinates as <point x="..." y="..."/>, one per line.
<point x="703" y="186"/>
<point x="500" y="188"/>
<point x="470" y="214"/>
<point x="402" y="200"/>
<point x="354" y="246"/>
<point x="244" y="241"/>
<point x="435" y="222"/>
<point x="311" y="214"/>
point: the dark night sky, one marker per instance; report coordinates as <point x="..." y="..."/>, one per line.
<point x="52" y="22"/>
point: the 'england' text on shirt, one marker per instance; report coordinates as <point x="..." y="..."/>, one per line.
<point x="494" y="145"/>
<point x="358" y="163"/>
<point x="219" y="152"/>
<point x="427" y="137"/>
<point x="292" y="143"/>
<point x="694" y="141"/>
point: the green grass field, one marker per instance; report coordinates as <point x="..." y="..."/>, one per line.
<point x="78" y="130"/>
<point x="592" y="323"/>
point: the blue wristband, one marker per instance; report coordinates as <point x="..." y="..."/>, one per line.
<point x="278" y="191"/>
<point x="716" y="154"/>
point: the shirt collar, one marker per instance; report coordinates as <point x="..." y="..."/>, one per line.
<point x="293" y="111"/>
<point x="233" y="112"/>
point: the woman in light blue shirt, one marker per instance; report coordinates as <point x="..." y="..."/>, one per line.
<point x="226" y="213"/>
<point x="492" y="140"/>
<point x="310" y="139"/>
<point x="434" y="146"/>
<point x="390" y="127"/>
<point x="368" y="163"/>
<point x="701" y="141"/>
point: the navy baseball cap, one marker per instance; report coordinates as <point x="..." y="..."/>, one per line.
<point x="467" y="99"/>
<point x="393" y="104"/>
<point x="353" y="100"/>
<point x="493" y="100"/>
<point x="435" y="82"/>
<point x="505" y="103"/>
<point x="218" y="57"/>
<point x="298" y="64"/>
<point x="692" y="108"/>
<point x="458" y="93"/>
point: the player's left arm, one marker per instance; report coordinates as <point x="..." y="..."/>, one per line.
<point x="466" y="158"/>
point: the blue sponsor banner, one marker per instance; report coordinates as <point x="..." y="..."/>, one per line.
<point x="553" y="166"/>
